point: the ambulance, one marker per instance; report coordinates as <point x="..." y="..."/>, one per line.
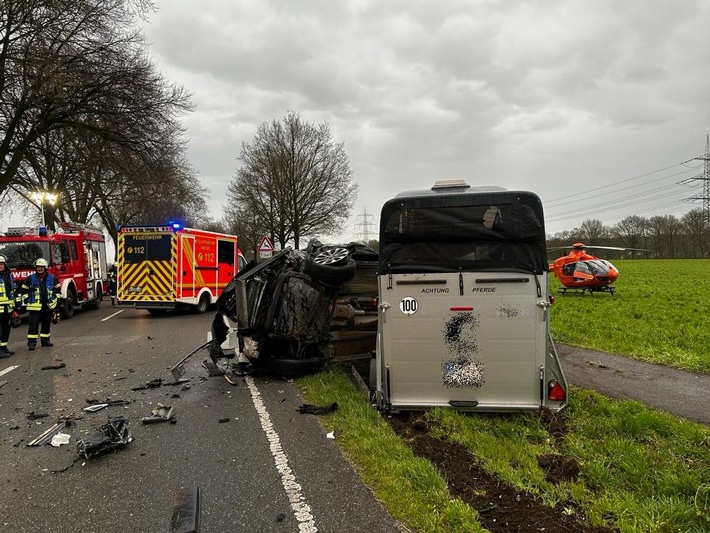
<point x="464" y="303"/>
<point x="167" y="267"/>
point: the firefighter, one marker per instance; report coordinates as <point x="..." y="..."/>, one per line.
<point x="7" y="306"/>
<point x="39" y="294"/>
<point x="112" y="283"/>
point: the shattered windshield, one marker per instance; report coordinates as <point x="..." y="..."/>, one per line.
<point x="24" y="254"/>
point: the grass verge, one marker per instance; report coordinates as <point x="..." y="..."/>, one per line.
<point x="640" y="470"/>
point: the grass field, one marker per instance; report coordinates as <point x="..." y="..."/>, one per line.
<point x="659" y="313"/>
<point x="640" y="470"/>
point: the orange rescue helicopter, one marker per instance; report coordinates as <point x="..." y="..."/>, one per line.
<point x="586" y="272"/>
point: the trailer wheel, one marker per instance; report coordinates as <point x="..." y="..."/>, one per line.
<point x="203" y="304"/>
<point x="373" y="374"/>
<point x="66" y="310"/>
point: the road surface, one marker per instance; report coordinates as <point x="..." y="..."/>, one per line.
<point x="258" y="463"/>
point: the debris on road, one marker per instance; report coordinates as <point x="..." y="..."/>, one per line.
<point x="309" y="409"/>
<point x="162" y="413"/>
<point x="45" y="437"/>
<point x="95" y="407"/>
<point x="152" y="384"/>
<point x="53" y="367"/>
<point x="187" y="504"/>
<point x="36" y="416"/>
<point x="60" y="438"/>
<point x="112" y="436"/>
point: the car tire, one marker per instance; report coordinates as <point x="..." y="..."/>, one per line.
<point x="331" y="255"/>
<point x="332" y="275"/>
<point x="294" y="368"/>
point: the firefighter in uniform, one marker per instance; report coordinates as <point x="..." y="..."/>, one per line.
<point x="112" y="283"/>
<point x="7" y="306"/>
<point x="39" y="295"/>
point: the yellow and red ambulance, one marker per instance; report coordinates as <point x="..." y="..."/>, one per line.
<point x="164" y="267"/>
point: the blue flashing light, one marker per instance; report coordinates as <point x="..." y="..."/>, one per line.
<point x="176" y="225"/>
<point x="43" y="231"/>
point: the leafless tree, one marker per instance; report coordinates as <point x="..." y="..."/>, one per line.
<point x="247" y="227"/>
<point x="294" y="180"/>
<point x="631" y="231"/>
<point x="694" y="226"/>
<point x="592" y="231"/>
<point x="73" y="64"/>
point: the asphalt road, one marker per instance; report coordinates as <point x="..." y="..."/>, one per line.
<point x="682" y="393"/>
<point x="268" y="468"/>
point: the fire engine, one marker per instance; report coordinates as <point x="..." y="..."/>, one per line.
<point x="76" y="255"/>
<point x="164" y="267"/>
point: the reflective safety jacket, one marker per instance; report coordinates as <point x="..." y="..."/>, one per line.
<point x="36" y="292"/>
<point x="7" y="291"/>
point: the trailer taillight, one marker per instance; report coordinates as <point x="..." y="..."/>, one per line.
<point x="555" y="391"/>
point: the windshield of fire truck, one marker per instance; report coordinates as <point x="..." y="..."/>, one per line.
<point x="24" y="254"/>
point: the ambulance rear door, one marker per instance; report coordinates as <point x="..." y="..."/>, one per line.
<point x="147" y="267"/>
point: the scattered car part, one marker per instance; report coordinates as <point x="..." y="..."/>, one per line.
<point x="60" y="438"/>
<point x="47" y="435"/>
<point x="179" y="369"/>
<point x="187" y="504"/>
<point x="162" y="413"/>
<point x="112" y="436"/>
<point x="309" y="409"/>
<point x="53" y="367"/>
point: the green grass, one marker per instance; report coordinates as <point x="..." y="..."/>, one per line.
<point x="641" y="470"/>
<point x="658" y="314"/>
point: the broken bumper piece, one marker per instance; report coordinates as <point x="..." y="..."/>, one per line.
<point x="112" y="436"/>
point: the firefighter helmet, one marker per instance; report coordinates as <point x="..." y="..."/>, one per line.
<point x="3" y="259"/>
<point x="41" y="262"/>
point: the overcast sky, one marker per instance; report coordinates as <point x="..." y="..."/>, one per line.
<point x="595" y="105"/>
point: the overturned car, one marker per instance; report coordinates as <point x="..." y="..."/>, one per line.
<point x="302" y="308"/>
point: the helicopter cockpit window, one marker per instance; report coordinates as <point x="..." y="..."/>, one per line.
<point x="597" y="267"/>
<point x="582" y="267"/>
<point x="568" y="269"/>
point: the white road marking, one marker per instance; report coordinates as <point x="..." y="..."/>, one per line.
<point x="301" y="509"/>
<point x="113" y="315"/>
<point x="8" y="369"/>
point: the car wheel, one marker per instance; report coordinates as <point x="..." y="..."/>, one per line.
<point x="330" y="274"/>
<point x="331" y="255"/>
<point x="294" y="368"/>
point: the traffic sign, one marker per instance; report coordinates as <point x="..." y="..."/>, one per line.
<point x="265" y="245"/>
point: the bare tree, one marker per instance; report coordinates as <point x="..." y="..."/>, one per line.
<point x="631" y="230"/>
<point x="694" y="227"/>
<point x="592" y="231"/>
<point x="74" y="64"/>
<point x="294" y="180"/>
<point x="247" y="227"/>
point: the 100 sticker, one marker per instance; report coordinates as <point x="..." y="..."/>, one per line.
<point x="408" y="305"/>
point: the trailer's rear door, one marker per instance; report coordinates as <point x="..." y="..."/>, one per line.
<point x="482" y="349"/>
<point x="147" y="265"/>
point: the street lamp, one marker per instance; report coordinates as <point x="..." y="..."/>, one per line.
<point x="42" y="197"/>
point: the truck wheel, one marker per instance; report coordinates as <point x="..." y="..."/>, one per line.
<point x="96" y="302"/>
<point x="203" y="304"/>
<point x="66" y="310"/>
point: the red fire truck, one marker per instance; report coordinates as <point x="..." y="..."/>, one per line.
<point x="165" y="267"/>
<point x="77" y="257"/>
